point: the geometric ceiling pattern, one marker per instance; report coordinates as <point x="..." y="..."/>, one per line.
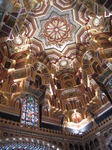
<point x="60" y="25"/>
<point x="57" y="29"/>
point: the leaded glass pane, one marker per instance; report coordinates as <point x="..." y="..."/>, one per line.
<point x="30" y="111"/>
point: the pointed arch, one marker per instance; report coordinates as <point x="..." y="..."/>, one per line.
<point x="96" y="142"/>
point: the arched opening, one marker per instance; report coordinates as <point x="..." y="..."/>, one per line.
<point x="71" y="147"/>
<point x="91" y="145"/>
<point x="17" y="104"/>
<point x="54" y="142"/>
<point x="96" y="142"/>
<point x="106" y="135"/>
<point x="38" y="81"/>
<point x="81" y="148"/>
<point x="110" y="145"/>
<point x="76" y="147"/>
<point x="60" y="145"/>
<point x="87" y="147"/>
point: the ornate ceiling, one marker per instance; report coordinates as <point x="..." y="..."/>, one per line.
<point x="60" y="46"/>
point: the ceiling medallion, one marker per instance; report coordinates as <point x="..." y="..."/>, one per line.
<point x="56" y="30"/>
<point x="96" y="22"/>
<point x="63" y="63"/>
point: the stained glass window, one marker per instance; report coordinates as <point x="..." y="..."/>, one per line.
<point x="30" y="111"/>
